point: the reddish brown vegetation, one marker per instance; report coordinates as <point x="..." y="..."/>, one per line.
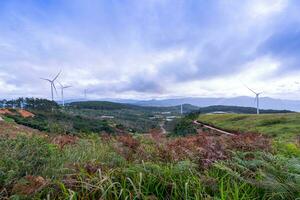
<point x="63" y="140"/>
<point x="127" y="146"/>
<point x="298" y="140"/>
<point x="30" y="185"/>
<point x="202" y="148"/>
<point x="207" y="149"/>
<point x="157" y="135"/>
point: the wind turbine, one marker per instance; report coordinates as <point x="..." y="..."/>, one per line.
<point x="52" y="84"/>
<point x="4" y="104"/>
<point x="181" y="109"/>
<point x="62" y="87"/>
<point x="21" y="105"/>
<point x="256" y="98"/>
<point x="85" y="94"/>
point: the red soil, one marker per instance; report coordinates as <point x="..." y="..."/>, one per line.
<point x="25" y="113"/>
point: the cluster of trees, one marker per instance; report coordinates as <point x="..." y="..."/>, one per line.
<point x="59" y="122"/>
<point x="29" y="103"/>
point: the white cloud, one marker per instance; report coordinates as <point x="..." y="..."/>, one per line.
<point x="158" y="49"/>
<point x="266" y="8"/>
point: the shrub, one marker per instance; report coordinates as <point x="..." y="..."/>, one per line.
<point x="184" y="127"/>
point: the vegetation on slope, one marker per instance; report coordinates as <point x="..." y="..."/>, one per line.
<point x="60" y="122"/>
<point x="152" y="166"/>
<point x="281" y="126"/>
<point x="139" y="167"/>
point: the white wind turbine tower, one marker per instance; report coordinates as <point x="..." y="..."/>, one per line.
<point x="52" y="84"/>
<point x="256" y="98"/>
<point x="85" y="94"/>
<point x="181" y="109"/>
<point x="62" y="87"/>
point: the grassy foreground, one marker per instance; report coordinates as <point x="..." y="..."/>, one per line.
<point x="140" y="167"/>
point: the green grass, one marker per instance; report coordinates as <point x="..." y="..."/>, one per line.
<point x="94" y="168"/>
<point x="283" y="127"/>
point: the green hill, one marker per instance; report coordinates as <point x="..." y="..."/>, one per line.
<point x="281" y="126"/>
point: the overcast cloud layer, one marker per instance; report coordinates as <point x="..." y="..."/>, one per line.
<point x="150" y="48"/>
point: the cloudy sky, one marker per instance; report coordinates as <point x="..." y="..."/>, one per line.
<point x="150" y="48"/>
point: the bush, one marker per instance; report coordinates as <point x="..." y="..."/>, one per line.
<point x="184" y="127"/>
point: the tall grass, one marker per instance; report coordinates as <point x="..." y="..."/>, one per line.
<point x="94" y="169"/>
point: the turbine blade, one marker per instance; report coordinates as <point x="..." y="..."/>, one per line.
<point x="54" y="87"/>
<point x="250" y="89"/>
<point x="56" y="76"/>
<point x="61" y="85"/>
<point x="45" y="79"/>
<point x="68" y="86"/>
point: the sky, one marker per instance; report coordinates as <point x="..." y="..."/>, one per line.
<point x="145" y="49"/>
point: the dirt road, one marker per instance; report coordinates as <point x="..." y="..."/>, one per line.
<point x="163" y="130"/>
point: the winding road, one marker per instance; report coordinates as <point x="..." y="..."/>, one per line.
<point x="163" y="130"/>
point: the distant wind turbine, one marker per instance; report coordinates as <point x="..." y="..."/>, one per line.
<point x="21" y="105"/>
<point x="4" y="104"/>
<point x="52" y="84"/>
<point x="85" y="94"/>
<point x="62" y="87"/>
<point x="13" y="104"/>
<point x="181" y="109"/>
<point x="256" y="98"/>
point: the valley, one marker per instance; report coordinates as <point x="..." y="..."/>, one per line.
<point x="104" y="150"/>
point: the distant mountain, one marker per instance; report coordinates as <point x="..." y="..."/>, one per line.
<point x="108" y="105"/>
<point x="265" y="102"/>
<point x="187" y="108"/>
<point x="244" y="101"/>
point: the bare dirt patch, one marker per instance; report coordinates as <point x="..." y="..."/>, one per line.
<point x="25" y="113"/>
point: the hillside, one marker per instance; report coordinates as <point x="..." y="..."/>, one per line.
<point x="11" y="129"/>
<point x="280" y="126"/>
<point x="152" y="166"/>
<point x="83" y="155"/>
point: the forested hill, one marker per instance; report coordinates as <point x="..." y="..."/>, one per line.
<point x="239" y="109"/>
<point x="106" y="105"/>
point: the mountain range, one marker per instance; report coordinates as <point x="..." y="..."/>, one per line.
<point x="245" y="101"/>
